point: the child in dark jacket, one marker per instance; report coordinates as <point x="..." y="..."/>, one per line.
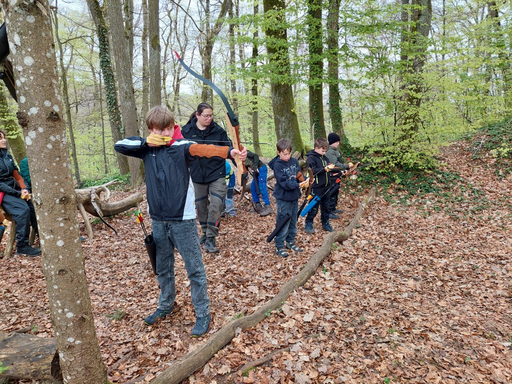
<point x="319" y="164"/>
<point x="287" y="193"/>
<point x="171" y="197"/>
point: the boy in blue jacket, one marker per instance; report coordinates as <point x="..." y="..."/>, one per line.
<point x="171" y="197"/>
<point x="287" y="193"/>
<point x="319" y="163"/>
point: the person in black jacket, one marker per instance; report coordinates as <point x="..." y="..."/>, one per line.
<point x="208" y="175"/>
<point x="167" y="158"/>
<point x="319" y="163"/>
<point x="16" y="200"/>
<point x="287" y="193"/>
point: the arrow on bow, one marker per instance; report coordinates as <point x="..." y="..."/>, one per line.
<point x="232" y="121"/>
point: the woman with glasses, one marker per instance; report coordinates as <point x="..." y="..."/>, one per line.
<point x="208" y="174"/>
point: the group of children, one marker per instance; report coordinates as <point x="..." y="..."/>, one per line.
<point x="287" y="190"/>
<point x="171" y="202"/>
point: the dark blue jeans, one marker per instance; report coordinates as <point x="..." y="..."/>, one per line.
<point x="183" y="236"/>
<point x="289" y="231"/>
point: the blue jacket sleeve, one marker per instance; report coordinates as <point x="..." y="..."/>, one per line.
<point x="9" y="191"/>
<point x="134" y="146"/>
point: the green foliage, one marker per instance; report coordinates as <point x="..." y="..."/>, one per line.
<point x="496" y="140"/>
<point x="2" y="368"/>
<point x="117" y="315"/>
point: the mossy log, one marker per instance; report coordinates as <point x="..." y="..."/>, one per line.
<point x="29" y="357"/>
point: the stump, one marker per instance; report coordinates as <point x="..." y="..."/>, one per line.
<point x="29" y="357"/>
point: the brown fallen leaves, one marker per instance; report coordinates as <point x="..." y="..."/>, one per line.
<point x="408" y="298"/>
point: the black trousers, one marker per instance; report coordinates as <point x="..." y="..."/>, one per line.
<point x="333" y="195"/>
<point x="20" y="212"/>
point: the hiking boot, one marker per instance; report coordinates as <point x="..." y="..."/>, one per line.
<point x="267" y="210"/>
<point x="309" y="228"/>
<point x="202" y="325"/>
<point x="293" y="247"/>
<point x="202" y="239"/>
<point x="338" y="211"/>
<point x="27" y="250"/>
<point x="333" y="216"/>
<point x="281" y="252"/>
<point x="327" y="227"/>
<point x="258" y="207"/>
<point x="158" y="315"/>
<point x="209" y="245"/>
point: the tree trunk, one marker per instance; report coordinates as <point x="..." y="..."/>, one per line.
<point x="114" y="115"/>
<point x="125" y="82"/>
<point x="316" y="71"/>
<point x="254" y="87"/>
<point x="128" y="29"/>
<point x="145" y="68"/>
<point x="333" y="63"/>
<point x="65" y="94"/>
<point x="53" y="191"/>
<point x="206" y="51"/>
<point x="504" y="63"/>
<point x="194" y="360"/>
<point x="283" y="104"/>
<point x="155" y="78"/>
<point x="10" y="125"/>
<point x="413" y="57"/>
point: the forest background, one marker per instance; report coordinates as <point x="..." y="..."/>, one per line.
<point x="398" y="79"/>
<point x="395" y="80"/>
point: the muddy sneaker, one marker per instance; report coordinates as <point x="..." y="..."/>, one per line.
<point x="209" y="245"/>
<point x="202" y="325"/>
<point x="333" y="216"/>
<point x="27" y="250"/>
<point x="267" y="210"/>
<point x="159" y="314"/>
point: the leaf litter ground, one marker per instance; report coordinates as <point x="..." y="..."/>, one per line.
<point x="421" y="293"/>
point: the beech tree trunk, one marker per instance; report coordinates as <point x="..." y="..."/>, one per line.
<point x="283" y="103"/>
<point x="114" y="115"/>
<point x="155" y="78"/>
<point x="65" y="95"/>
<point x="333" y="27"/>
<point x="40" y="116"/>
<point x="125" y="82"/>
<point x="316" y="70"/>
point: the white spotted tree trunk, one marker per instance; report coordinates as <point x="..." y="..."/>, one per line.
<point x="40" y="115"/>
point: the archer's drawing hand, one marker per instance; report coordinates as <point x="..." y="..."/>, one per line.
<point x="156" y="140"/>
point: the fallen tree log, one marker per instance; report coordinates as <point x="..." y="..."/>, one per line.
<point x="29" y="357"/>
<point x="90" y="200"/>
<point x="194" y="360"/>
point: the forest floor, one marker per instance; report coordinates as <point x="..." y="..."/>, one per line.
<point x="420" y="293"/>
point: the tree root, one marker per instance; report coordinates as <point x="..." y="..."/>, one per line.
<point x="194" y="360"/>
